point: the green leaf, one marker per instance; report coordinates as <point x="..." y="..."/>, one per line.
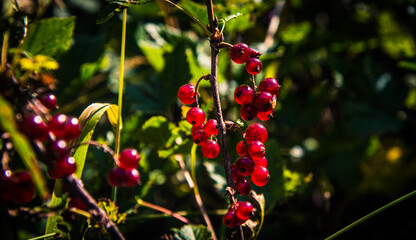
<point x="217" y="174"/>
<point x="50" y="37"/>
<point x="107" y="11"/>
<point x="190" y="232"/>
<point x="23" y="147"/>
<point x="112" y="115"/>
<point x="88" y="119"/>
<point x="198" y="10"/>
<point x="157" y="131"/>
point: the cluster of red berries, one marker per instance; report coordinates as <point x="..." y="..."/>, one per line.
<point x="55" y="134"/>
<point x="252" y="162"/>
<point x="238" y="214"/>
<point x="16" y="187"/>
<point x="241" y="53"/>
<point x="202" y="131"/>
<point x="258" y="104"/>
<point x="126" y="173"/>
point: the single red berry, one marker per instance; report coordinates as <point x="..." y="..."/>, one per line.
<point x="261" y="162"/>
<point x="72" y="128"/>
<point x="62" y="167"/>
<point x="243" y="187"/>
<point x="24" y="190"/>
<point x="269" y="85"/>
<point x="131" y="178"/>
<point x="210" y="149"/>
<point x="57" y="149"/>
<point x="260" y="176"/>
<point x="197" y="127"/>
<point x="241" y="148"/>
<point x="211" y="127"/>
<point x="243" y="94"/>
<point x="230" y="219"/>
<point x="33" y="126"/>
<point x="244" y="210"/>
<point x="244" y="166"/>
<point x="254" y="66"/>
<point x="248" y="112"/>
<point x="256" y="132"/>
<point x="200" y="137"/>
<point x="240" y="53"/>
<point x="48" y="100"/>
<point x="57" y="125"/>
<point x="255" y="53"/>
<point x="116" y="177"/>
<point x="236" y="177"/>
<point x="264" y="116"/>
<point x="129" y="158"/>
<point x="186" y="94"/>
<point x="256" y="150"/>
<point x="263" y="101"/>
<point x="195" y="116"/>
<point x="75" y="202"/>
<point x="7" y="186"/>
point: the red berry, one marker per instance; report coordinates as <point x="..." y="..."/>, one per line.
<point x="256" y="132"/>
<point x="211" y="127"/>
<point x="248" y="112"/>
<point x="199" y="137"/>
<point x="230" y="219"/>
<point x="269" y="85"/>
<point x="75" y="202"/>
<point x="116" y="177"/>
<point x="57" y="125"/>
<point x="261" y="162"/>
<point x="241" y="148"/>
<point x="210" y="149"/>
<point x="263" y="101"/>
<point x="131" y="177"/>
<point x="243" y="187"/>
<point x="129" y="158"/>
<point x="57" y="149"/>
<point x="72" y="128"/>
<point x="197" y="127"/>
<point x="62" y="167"/>
<point x="195" y="116"/>
<point x="264" y="116"/>
<point x="186" y="94"/>
<point x="244" y="210"/>
<point x="255" y="53"/>
<point x="33" y="126"/>
<point x="236" y="177"/>
<point x="256" y="150"/>
<point x="48" y="100"/>
<point x="6" y="186"/>
<point x="23" y="189"/>
<point x="243" y="94"/>
<point x="260" y="176"/>
<point x="244" y="166"/>
<point x="240" y="53"/>
<point x="254" y="66"/>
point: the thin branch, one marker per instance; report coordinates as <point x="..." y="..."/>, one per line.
<point x="194" y="187"/>
<point x="75" y="186"/>
<point x="140" y="202"/>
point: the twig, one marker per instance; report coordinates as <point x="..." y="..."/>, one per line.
<point x="75" y="186"/>
<point x="140" y="202"/>
<point x="198" y="198"/>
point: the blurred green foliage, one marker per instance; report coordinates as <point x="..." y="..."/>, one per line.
<point x="341" y="143"/>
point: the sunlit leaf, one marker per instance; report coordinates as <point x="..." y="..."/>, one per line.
<point x="191" y="232"/>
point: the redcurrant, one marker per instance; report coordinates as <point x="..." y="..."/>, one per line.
<point x="261" y="162"/>
<point x="263" y="101"/>
<point x="243" y="94"/>
<point x="241" y="148"/>
<point x="254" y="66"/>
<point x="48" y="100"/>
<point x="186" y="94"/>
<point x="264" y="116"/>
<point x="260" y="176"/>
<point x="243" y="186"/>
<point x="256" y="132"/>
<point x="195" y="116"/>
<point x="244" y="210"/>
<point x="244" y="166"/>
<point x="129" y="158"/>
<point x="199" y="137"/>
<point x="116" y="177"/>
<point x="269" y="85"/>
<point x="230" y="219"/>
<point x="256" y="150"/>
<point x="248" y="112"/>
<point x="240" y="53"/>
<point x="132" y="177"/>
<point x="197" y="127"/>
<point x="62" y="167"/>
<point x="211" y="127"/>
<point x="33" y="126"/>
<point x="210" y="149"/>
